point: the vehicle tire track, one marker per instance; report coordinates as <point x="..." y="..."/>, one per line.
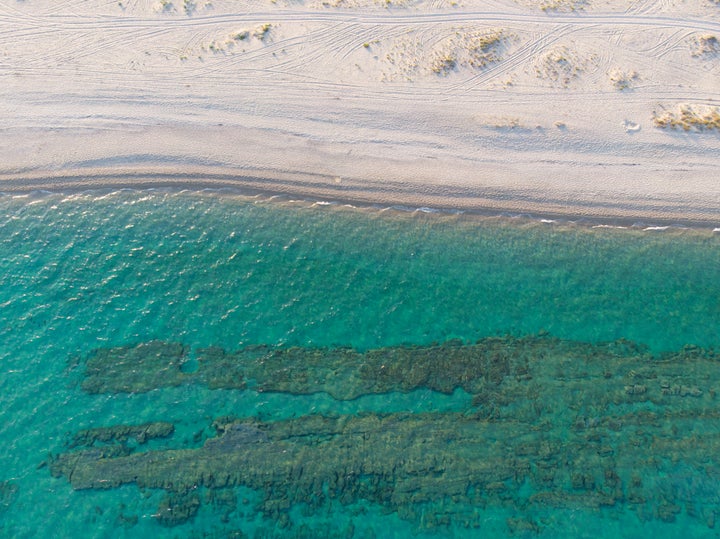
<point x="463" y="18"/>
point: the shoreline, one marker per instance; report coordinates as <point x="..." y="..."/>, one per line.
<point x="445" y="199"/>
<point x="608" y="112"/>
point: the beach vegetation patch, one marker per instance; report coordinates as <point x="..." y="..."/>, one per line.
<point x="464" y="48"/>
<point x="705" y="45"/>
<point x="359" y="4"/>
<point x="563" y="6"/>
<point x="688" y="118"/>
<point x="403" y="60"/>
<point x="473" y="49"/>
<point x="485" y="48"/>
<point x="558" y="65"/>
<point x="261" y="32"/>
<point x="507" y="123"/>
<point x="443" y="64"/>
<point x="189" y="7"/>
<point x="562" y="65"/>
<point x="165" y="6"/>
<point x="623" y="80"/>
<point x="245" y="36"/>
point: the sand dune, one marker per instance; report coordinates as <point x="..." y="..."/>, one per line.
<point x="567" y="107"/>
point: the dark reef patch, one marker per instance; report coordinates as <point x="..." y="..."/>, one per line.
<point x="8" y="493"/>
<point x="346" y="374"/>
<point x="135" y="369"/>
<point x="553" y="424"/>
<point x="122" y="433"/>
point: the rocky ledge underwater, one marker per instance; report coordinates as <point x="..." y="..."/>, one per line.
<point x="553" y="425"/>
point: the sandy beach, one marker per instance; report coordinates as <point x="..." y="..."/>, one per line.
<point x="602" y="110"/>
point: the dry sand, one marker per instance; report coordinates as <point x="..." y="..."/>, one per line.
<point x="549" y="108"/>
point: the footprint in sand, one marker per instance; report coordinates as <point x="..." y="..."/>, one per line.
<point x="631" y="127"/>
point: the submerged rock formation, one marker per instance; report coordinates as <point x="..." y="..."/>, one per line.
<point x="346" y="374"/>
<point x="122" y="433"/>
<point x="8" y="494"/>
<point x="553" y="424"/>
<point x="134" y="369"/>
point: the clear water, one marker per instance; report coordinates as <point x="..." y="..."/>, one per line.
<point x="97" y="270"/>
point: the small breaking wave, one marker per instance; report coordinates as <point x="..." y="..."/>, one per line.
<point x="134" y="195"/>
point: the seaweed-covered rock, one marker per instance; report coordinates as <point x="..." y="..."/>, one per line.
<point x="343" y="373"/>
<point x="8" y="493"/>
<point x="176" y="509"/>
<point x="553" y="424"/>
<point x="448" y="460"/>
<point x="135" y="369"/>
<point x="122" y="433"/>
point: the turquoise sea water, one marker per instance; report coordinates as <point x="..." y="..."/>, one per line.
<point x="101" y="270"/>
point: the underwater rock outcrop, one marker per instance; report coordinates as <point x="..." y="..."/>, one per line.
<point x="346" y="374"/>
<point x="553" y="424"/>
<point x="342" y="372"/>
<point x="8" y="493"/>
<point x="449" y="461"/>
<point x="122" y="433"/>
<point x="135" y="369"/>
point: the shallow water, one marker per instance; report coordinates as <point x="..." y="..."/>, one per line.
<point x="101" y="270"/>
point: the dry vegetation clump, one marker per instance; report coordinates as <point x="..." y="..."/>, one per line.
<point x="261" y="32"/>
<point x="245" y="37"/>
<point x="360" y="4"/>
<point x="563" y="6"/>
<point x="560" y="66"/>
<point x="706" y="45"/>
<point x="485" y="48"/>
<point x="464" y="48"/>
<point x="403" y="59"/>
<point x="508" y="123"/>
<point x="689" y="118"/>
<point x="623" y="80"/>
<point x="165" y="6"/>
<point x="475" y="49"/>
<point x="189" y="7"/>
<point x="443" y="64"/>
